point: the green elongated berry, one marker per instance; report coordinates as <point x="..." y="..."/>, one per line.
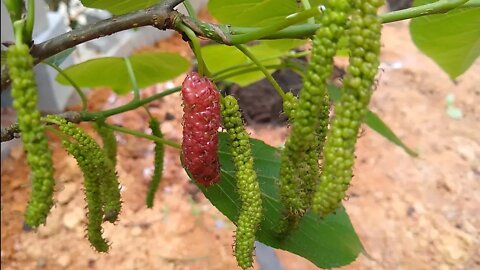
<point x="39" y="157"/>
<point x="91" y="185"/>
<point x="109" y="141"/>
<point x="364" y="41"/>
<point x="158" y="162"/>
<point x="247" y="184"/>
<point x="105" y="172"/>
<point x="299" y="170"/>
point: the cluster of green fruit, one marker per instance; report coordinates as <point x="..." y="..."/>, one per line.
<point x="303" y="183"/>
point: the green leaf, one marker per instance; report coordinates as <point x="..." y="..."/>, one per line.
<point x="219" y="57"/>
<point x="253" y="13"/>
<point x="452" y="40"/>
<point x="328" y="242"/>
<point x="149" y="68"/>
<point x="118" y="7"/>
<point x="374" y="122"/>
<point x="58" y="58"/>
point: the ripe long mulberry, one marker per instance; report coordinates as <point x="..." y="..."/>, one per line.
<point x="201" y="120"/>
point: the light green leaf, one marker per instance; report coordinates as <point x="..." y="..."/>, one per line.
<point x="452" y="40"/>
<point x="220" y="57"/>
<point x="118" y="7"/>
<point x="375" y="122"/>
<point x="253" y="12"/>
<point x="149" y="68"/>
<point x="328" y="242"/>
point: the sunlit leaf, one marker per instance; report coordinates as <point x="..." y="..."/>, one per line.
<point x="452" y="40"/>
<point x="149" y="68"/>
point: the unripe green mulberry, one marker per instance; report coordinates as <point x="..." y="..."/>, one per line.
<point x="104" y="170"/>
<point x="108" y="179"/>
<point x="299" y="172"/>
<point x="364" y="41"/>
<point x="109" y="141"/>
<point x="247" y="185"/>
<point x="158" y="162"/>
<point x="39" y="157"/>
<point x="91" y="184"/>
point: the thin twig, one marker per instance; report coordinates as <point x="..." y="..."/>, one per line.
<point x="75" y="86"/>
<point x="13" y="131"/>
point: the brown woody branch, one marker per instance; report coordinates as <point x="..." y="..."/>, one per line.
<point x="13" y="131"/>
<point x="161" y="16"/>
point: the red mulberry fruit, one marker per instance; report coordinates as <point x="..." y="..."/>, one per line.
<point x="201" y="120"/>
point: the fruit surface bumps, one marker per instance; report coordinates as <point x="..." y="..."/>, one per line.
<point x="364" y="41"/>
<point x="158" y="163"/>
<point x="310" y="116"/>
<point x="92" y="194"/>
<point x="39" y="157"/>
<point x="109" y="188"/>
<point x="201" y="120"/>
<point x="248" y="187"/>
<point x="103" y="171"/>
<point x="96" y="168"/>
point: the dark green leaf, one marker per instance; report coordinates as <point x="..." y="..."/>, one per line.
<point x="331" y="242"/>
<point x="374" y="122"/>
<point x="149" y="68"/>
<point x="119" y="6"/>
<point x="452" y="40"/>
<point x="58" y="58"/>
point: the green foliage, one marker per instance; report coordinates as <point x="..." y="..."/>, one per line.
<point x="118" y="7"/>
<point x="253" y="13"/>
<point x="452" y="40"/>
<point x="158" y="163"/>
<point x="14" y="8"/>
<point x="248" y="188"/>
<point x="149" y="68"/>
<point x="39" y="157"/>
<point x="220" y="57"/>
<point x="329" y="242"/>
<point x="376" y="123"/>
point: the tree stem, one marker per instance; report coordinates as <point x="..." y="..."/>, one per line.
<point x="30" y="21"/>
<point x="262" y="68"/>
<point x="75" y="86"/>
<point x="133" y="78"/>
<point x="143" y="135"/>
